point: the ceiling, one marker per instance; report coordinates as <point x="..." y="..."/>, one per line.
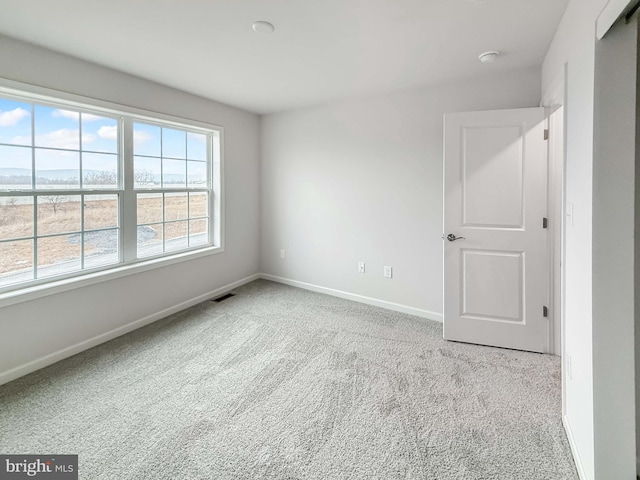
<point x="321" y="50"/>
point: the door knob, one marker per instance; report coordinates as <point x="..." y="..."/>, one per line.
<point x="452" y="238"/>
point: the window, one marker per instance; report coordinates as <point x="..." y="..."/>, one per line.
<point x="85" y="188"/>
<point x="173" y="165"/>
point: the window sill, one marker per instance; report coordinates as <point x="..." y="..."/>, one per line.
<point x="58" y="286"/>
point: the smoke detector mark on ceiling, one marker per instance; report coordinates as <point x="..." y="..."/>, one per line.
<point x="263" y="27"/>
<point x="488" y="57"/>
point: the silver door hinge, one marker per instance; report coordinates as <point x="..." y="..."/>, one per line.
<point x="546" y="134"/>
<point x="545" y="312"/>
<point x="545" y="222"/>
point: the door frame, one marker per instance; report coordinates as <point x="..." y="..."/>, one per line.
<point x="554" y="100"/>
<point x="556" y="211"/>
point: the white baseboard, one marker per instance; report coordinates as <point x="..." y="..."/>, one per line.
<point x="356" y="298"/>
<point x="54" y="357"/>
<point x="574" y="449"/>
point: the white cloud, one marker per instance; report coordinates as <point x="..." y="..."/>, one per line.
<point x="65" y="114"/>
<point x="197" y="136"/>
<point x="12" y="117"/>
<point x="21" y="140"/>
<point x="140" y="137"/>
<point x="108" y="133"/>
<point x="87" y="117"/>
<point x="63" y="138"/>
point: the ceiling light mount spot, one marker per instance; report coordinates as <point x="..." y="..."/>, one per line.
<point x="488" y="57"/>
<point x="263" y="27"/>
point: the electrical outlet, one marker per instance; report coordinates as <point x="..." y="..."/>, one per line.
<point x="361" y="267"/>
<point x="388" y="272"/>
<point x="283" y="253"/>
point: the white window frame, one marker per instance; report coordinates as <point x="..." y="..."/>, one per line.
<point x="129" y="265"/>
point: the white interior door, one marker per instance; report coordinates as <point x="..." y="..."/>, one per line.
<point x="496" y="277"/>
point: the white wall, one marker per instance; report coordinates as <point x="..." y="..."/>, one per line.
<point x="361" y="180"/>
<point x="33" y="330"/>
<point x="591" y="379"/>
<point x="574" y="43"/>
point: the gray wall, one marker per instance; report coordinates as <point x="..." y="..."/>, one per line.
<point x="35" y="329"/>
<point x="361" y="180"/>
<point x="613" y="252"/>
<point x="636" y="280"/>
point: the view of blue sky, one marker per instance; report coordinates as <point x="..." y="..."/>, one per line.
<point x="97" y="138"/>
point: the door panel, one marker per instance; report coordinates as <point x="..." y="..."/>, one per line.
<point x="492" y="285"/>
<point x="492" y="171"/>
<point x="496" y="275"/>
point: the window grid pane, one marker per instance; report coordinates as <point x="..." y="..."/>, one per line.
<point x="57" y="255"/>
<point x="171" y="221"/>
<point x="57" y="243"/>
<point x="16" y="217"/>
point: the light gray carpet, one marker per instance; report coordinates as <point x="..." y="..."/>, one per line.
<point x="282" y="383"/>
